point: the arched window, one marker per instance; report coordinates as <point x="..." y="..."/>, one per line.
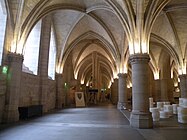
<point x="3" y="17"/>
<point x="52" y="55"/>
<point x="31" y="52"/>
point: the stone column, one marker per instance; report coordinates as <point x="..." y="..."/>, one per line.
<point x="114" y="91"/>
<point x="95" y="70"/>
<point x="129" y="95"/>
<point x="164" y="90"/>
<point x="140" y="115"/>
<point x="183" y="85"/>
<point x="170" y="90"/>
<point x="157" y="90"/>
<point x="43" y="61"/>
<point x="122" y="91"/>
<point x="15" y="62"/>
<point x="59" y="91"/>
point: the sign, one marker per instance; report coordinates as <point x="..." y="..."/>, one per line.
<point x="79" y="99"/>
<point x="5" y="69"/>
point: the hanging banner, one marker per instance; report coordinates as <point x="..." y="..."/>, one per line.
<point x="79" y="99"/>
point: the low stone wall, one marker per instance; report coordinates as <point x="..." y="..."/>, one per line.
<point x="30" y="91"/>
<point x="2" y="94"/>
<point x="2" y="104"/>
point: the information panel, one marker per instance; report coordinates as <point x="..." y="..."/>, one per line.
<point x="79" y="99"/>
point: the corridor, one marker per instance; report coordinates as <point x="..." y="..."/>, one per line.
<point x="92" y="123"/>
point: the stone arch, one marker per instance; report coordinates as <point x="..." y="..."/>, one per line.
<point x="106" y="46"/>
<point x="35" y="15"/>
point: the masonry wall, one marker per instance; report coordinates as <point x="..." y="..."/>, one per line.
<point x="2" y="93"/>
<point x="51" y="94"/>
<point x="30" y="91"/>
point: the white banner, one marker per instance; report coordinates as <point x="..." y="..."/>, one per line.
<point x="79" y="99"/>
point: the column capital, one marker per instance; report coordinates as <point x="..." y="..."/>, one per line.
<point x="136" y="58"/>
<point x="14" y="57"/>
<point x="122" y="75"/>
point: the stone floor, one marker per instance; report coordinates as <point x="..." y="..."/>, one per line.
<point x="103" y="122"/>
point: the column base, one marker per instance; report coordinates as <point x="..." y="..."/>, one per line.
<point x="141" y="120"/>
<point x="10" y="115"/>
<point x="121" y="105"/>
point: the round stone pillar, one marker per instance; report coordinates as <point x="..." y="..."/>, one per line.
<point x="122" y="91"/>
<point x="114" y="91"/>
<point x="140" y="115"/>
<point x="170" y="90"/>
<point x="11" y="113"/>
<point x="157" y="90"/>
<point x="164" y="90"/>
<point x="183" y="85"/>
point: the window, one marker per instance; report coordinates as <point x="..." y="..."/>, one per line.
<point x="52" y="55"/>
<point x="3" y="18"/>
<point x="31" y="52"/>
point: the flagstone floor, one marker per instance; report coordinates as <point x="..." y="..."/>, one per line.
<point x="102" y="122"/>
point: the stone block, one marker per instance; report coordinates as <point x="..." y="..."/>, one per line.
<point x="141" y="120"/>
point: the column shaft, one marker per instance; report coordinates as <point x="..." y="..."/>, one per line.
<point x="43" y="60"/>
<point x="167" y="88"/>
<point x="122" y="91"/>
<point x="183" y="85"/>
<point x="95" y="69"/>
<point x="15" y="62"/>
<point x="157" y="90"/>
<point x="140" y="115"/>
<point x="170" y="90"/>
<point x="164" y="90"/>
<point x="114" y="91"/>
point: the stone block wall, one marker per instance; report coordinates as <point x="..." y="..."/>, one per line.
<point x="2" y="104"/>
<point x="2" y="94"/>
<point x="51" y="95"/>
<point x="30" y="90"/>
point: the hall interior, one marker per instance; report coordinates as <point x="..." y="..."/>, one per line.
<point x="129" y="53"/>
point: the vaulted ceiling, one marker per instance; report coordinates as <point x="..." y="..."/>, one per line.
<point x="80" y="24"/>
